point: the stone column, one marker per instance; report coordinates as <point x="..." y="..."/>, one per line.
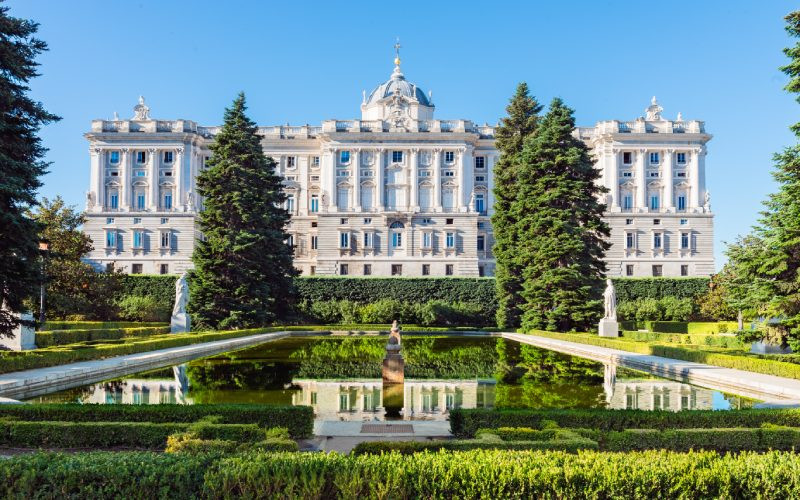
<point x="98" y="179"/>
<point x="413" y="201"/>
<point x="379" y="182"/>
<point x="669" y="202"/>
<point x="641" y="181"/>
<point x="468" y="171"/>
<point x="701" y="177"/>
<point x="461" y="203"/>
<point x="327" y="169"/>
<point x="355" y="174"/>
<point x="694" y="180"/>
<point x="612" y="176"/>
<point x="125" y="181"/>
<point x="491" y="159"/>
<point x="178" y="171"/>
<point x="154" y="202"/>
<point x="333" y="189"/>
<point x="437" y="180"/>
<point x="302" y="193"/>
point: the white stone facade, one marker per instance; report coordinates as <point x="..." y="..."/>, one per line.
<point x="396" y="193"/>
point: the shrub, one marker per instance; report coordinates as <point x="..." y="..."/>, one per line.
<point x="571" y="443"/>
<point x="143" y="308"/>
<point x="629" y="289"/>
<point x="736" y="439"/>
<point x="298" y="420"/>
<point x="465" y="423"/>
<point x="649" y="309"/>
<point x="61" y="337"/>
<point x="677" y="309"/>
<point x="186" y="443"/>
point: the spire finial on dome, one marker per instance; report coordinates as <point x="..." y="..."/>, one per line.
<point x="397" y="53"/>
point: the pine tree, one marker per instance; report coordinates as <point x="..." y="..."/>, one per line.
<point x="561" y="231"/>
<point x="21" y="166"/>
<point x="243" y="266"/>
<point x="770" y="276"/>
<point x="509" y="137"/>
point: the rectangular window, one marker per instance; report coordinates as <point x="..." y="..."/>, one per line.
<point x="164" y="220"/>
<point x="367" y="269"/>
<point x="114" y="201"/>
<point x="290" y="204"/>
<point x="315" y="161"/>
<point x="168" y="201"/>
<point x="111" y="239"/>
<point x="681" y="157"/>
<point x="657" y="240"/>
<point x="344" y="240"/>
<point x="291" y="161"/>
<point x="163" y="269"/>
<point x="479" y="204"/>
<point x="167" y="173"/>
<point x="630" y="240"/>
<point x="141" y="156"/>
<point x="138" y="239"/>
<point x="627" y="173"/>
<point x="397" y="269"/>
<point x="448" y="270"/>
<point x="165" y="239"/>
<point x="628" y="222"/>
<point x="449" y="173"/>
<point x="167" y="159"/>
<point x="481" y="243"/>
<point x="426" y="239"/>
<point x="314" y="242"/>
<point x="342" y="173"/>
<point x="314" y="204"/>
<point x="684" y="269"/>
<point x="114" y="174"/>
<point x="657" y="271"/>
<point x="343" y="220"/>
<point x="656" y="222"/>
<point x="450" y="240"/>
<point x="681" y="203"/>
<point x="481" y="225"/>
<point x="312" y="270"/>
<point x="449" y="222"/>
<point x="627" y="157"/>
<point x="424" y="173"/>
<point x="427" y="220"/>
<point x="344" y="157"/>
<point x="627" y="202"/>
<point x="629" y="270"/>
<point x="109" y="220"/>
<point x="137" y="220"/>
<point x="685" y="237"/>
<point x="314" y="178"/>
<point x="397" y="239"/>
<point x="426" y="269"/>
<point x="480" y="178"/>
<point x="654" y="202"/>
<point x="368" y="239"/>
<point x="343" y="269"/>
<point x="140" y="201"/>
<point x="481" y="272"/>
<point x="368" y="220"/>
<point x="654" y="174"/>
<point x="397" y="157"/>
<point x="136" y="268"/>
<point x="449" y="156"/>
<point x="681" y="174"/>
<point x="114" y="157"/>
<point x="654" y="158"/>
<point x="684" y="222"/>
<point x="290" y="241"/>
<point x="480" y="162"/>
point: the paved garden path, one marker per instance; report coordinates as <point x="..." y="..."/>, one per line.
<point x="29" y="383"/>
<point x="744" y="383"/>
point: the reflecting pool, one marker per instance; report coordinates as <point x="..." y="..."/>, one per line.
<point x="340" y="377"/>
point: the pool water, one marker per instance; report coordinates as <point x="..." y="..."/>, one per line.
<point x="340" y="377"/>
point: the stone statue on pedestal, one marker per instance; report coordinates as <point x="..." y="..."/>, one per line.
<point x="608" y="325"/>
<point x="180" y="318"/>
<point x="393" y="362"/>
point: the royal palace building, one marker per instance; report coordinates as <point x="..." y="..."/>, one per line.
<point x="394" y="193"/>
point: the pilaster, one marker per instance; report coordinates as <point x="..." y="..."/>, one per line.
<point x="413" y="201"/>
<point x="641" y="182"/>
<point x="668" y="181"/>
<point x="125" y="180"/>
<point x="379" y="182"/>
<point x="355" y="176"/>
<point x="437" y="180"/>
<point x="152" y="181"/>
<point x="179" y="189"/>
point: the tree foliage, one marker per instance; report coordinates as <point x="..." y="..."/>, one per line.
<point x="560" y="231"/>
<point x="243" y="266"/>
<point x="21" y="165"/>
<point x="510" y="134"/>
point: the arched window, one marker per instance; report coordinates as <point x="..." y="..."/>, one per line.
<point x="397" y="225"/>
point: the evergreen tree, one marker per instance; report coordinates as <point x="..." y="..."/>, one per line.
<point x="243" y="266"/>
<point x="21" y="165"/>
<point x="560" y="231"/>
<point x="509" y="137"/>
<point x="767" y="263"/>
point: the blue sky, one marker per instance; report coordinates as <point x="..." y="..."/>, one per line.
<point x="303" y="62"/>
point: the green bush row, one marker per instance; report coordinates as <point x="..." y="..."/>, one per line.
<point x="60" y="337"/>
<point x="202" y="438"/>
<point x="465" y="423"/>
<point x="690" y="327"/>
<point x="430" y="313"/>
<point x="721" y="440"/>
<point x="94" y="325"/>
<point x="11" y="361"/>
<point x="112" y="434"/>
<point x="409" y="447"/>
<point x="656" y="309"/>
<point x="630" y="289"/>
<point x="736" y="359"/>
<point x="468" y="475"/>
<point x="299" y="420"/>
<point x="728" y="342"/>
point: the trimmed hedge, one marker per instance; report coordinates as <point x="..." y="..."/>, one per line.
<point x="86" y="325"/>
<point x="465" y="423"/>
<point x="112" y="434"/>
<point x="299" y="420"/>
<point x="721" y="440"/>
<point x="468" y="475"/>
<point x="409" y="447"/>
<point x="729" y="342"/>
<point x="161" y="287"/>
<point x="629" y="289"/>
<point x="70" y="336"/>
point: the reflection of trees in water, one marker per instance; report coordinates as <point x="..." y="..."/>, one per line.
<point x="214" y="375"/>
<point x="536" y="394"/>
<point x="520" y="362"/>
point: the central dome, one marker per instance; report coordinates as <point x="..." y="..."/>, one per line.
<point x="396" y="83"/>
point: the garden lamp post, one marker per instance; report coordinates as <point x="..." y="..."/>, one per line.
<point x="43" y="249"/>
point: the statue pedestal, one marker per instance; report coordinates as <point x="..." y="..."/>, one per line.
<point x="180" y="323"/>
<point x="608" y="328"/>
<point x="23" y="337"/>
<point x="393" y="369"/>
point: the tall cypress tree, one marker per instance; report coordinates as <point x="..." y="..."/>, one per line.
<point x="21" y="165"/>
<point x="766" y="264"/>
<point x="561" y="230"/>
<point x="509" y="137"/>
<point x="243" y="266"/>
